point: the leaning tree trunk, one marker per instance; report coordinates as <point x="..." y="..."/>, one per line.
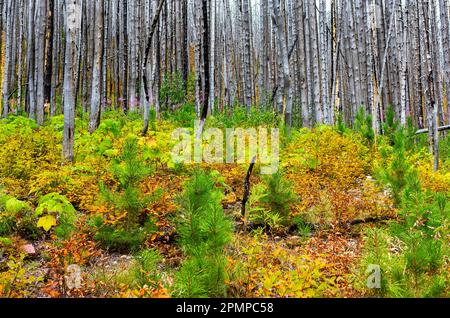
<point x="381" y="82"/>
<point x="144" y="68"/>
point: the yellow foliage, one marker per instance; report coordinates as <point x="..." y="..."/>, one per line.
<point x="262" y="268"/>
<point x="329" y="173"/>
<point x="24" y="152"/>
<point x="327" y="157"/>
<point x="434" y="181"/>
<point x="79" y="187"/>
<point x="15" y="282"/>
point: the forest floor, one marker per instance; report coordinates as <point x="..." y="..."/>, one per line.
<point x="320" y="252"/>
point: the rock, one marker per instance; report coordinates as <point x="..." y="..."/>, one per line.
<point x="28" y="249"/>
<point x="73" y="277"/>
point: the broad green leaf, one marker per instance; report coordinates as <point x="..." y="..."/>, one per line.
<point x="54" y="203"/>
<point x="15" y="206"/>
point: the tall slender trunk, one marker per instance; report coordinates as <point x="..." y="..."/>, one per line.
<point x="185" y="45"/>
<point x="443" y="8"/>
<point x="264" y="29"/>
<point x="6" y="69"/>
<point x="383" y="68"/>
<point x="206" y="55"/>
<point x="403" y="52"/>
<point x="21" y="18"/>
<point x="55" y="56"/>
<point x="431" y="100"/>
<point x="302" y="61"/>
<point x="148" y="89"/>
<point x="94" y="119"/>
<point x="49" y="50"/>
<point x="72" y="25"/>
<point x="133" y="75"/>
<point x="286" y="97"/>
<point x="40" y="57"/>
<point x="197" y="53"/>
<point x="309" y="62"/>
<point x="247" y="54"/>
<point x="125" y="56"/>
<point x="323" y="63"/>
<point x="369" y="25"/>
<point x="212" y="65"/>
<point x="31" y="91"/>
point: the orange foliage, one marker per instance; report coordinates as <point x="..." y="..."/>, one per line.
<point x="171" y="185"/>
<point x="146" y="292"/>
<point x="77" y="250"/>
<point x="341" y="252"/>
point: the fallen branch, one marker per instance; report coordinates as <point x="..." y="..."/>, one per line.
<point x="313" y="227"/>
<point x="423" y="131"/>
<point x="371" y="220"/>
<point x="347" y="224"/>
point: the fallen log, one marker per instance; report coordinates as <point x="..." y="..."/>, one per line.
<point x="345" y="224"/>
<point x="313" y="227"/>
<point x="425" y="130"/>
<point x="371" y="220"/>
